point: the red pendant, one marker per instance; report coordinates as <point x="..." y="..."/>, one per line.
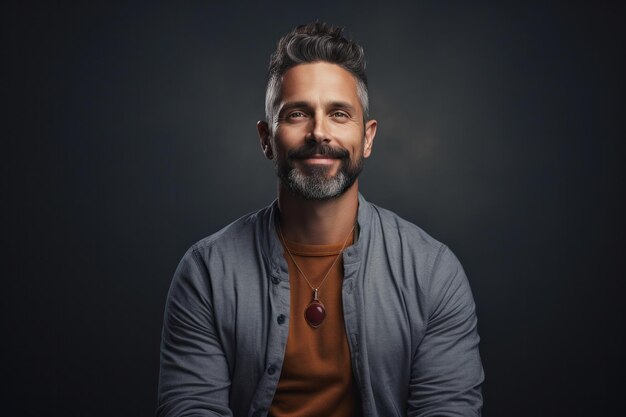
<point x="315" y="313"/>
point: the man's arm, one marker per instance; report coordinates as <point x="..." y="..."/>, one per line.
<point x="194" y="378"/>
<point x="446" y="373"/>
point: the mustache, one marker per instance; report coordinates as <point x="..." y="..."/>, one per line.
<point x="309" y="151"/>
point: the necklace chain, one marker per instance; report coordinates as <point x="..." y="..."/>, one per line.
<point x="282" y="238"/>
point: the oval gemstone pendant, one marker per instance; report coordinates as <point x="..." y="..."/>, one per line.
<point x="315" y="313"/>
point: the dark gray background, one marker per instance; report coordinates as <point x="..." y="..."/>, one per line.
<point x="129" y="134"/>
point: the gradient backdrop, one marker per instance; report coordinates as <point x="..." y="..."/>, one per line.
<point x="129" y="134"/>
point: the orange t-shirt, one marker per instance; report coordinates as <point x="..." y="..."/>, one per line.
<point x="316" y="378"/>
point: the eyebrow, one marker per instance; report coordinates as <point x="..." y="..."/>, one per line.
<point x="290" y="105"/>
<point x="342" y="105"/>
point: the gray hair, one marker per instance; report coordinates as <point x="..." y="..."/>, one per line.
<point x="314" y="42"/>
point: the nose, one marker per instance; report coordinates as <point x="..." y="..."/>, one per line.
<point x="318" y="131"/>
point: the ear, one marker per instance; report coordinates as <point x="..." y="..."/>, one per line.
<point x="370" y="132"/>
<point x="264" y="137"/>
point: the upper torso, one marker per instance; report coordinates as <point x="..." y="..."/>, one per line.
<point x="383" y="313"/>
<point x="388" y="292"/>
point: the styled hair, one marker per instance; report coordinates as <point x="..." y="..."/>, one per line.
<point x="309" y="43"/>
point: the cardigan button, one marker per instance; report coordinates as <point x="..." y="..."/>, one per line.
<point x="271" y="370"/>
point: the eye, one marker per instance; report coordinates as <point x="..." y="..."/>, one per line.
<point x="295" y="115"/>
<point x="339" y="114"/>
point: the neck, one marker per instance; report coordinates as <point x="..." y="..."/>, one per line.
<point x="316" y="222"/>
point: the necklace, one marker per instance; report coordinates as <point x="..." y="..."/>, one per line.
<point x="315" y="312"/>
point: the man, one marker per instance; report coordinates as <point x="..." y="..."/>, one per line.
<point x="321" y="304"/>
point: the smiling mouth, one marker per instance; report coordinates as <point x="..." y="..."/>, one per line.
<point x="319" y="159"/>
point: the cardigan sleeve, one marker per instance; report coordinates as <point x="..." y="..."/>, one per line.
<point x="194" y="377"/>
<point x="446" y="370"/>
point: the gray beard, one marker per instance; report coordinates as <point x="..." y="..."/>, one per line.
<point x="317" y="185"/>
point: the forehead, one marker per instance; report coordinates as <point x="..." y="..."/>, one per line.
<point x="319" y="81"/>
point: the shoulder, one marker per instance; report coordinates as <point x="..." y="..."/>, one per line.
<point x="411" y="244"/>
<point x="404" y="232"/>
<point x="213" y="263"/>
<point x="234" y="239"/>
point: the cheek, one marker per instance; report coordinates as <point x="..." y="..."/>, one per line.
<point x="289" y="134"/>
<point x="281" y="146"/>
<point x="349" y="132"/>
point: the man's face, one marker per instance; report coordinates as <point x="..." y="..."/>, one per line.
<point x="320" y="139"/>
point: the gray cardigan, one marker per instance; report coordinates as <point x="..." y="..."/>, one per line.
<point x="408" y="310"/>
